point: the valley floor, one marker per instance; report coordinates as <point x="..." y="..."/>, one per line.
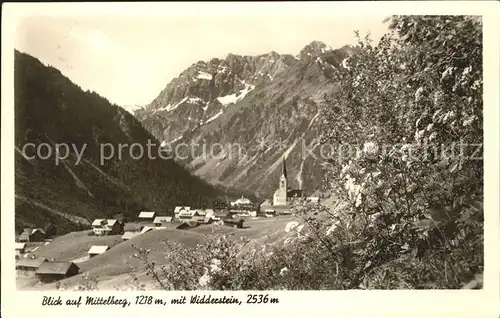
<point x="115" y="269"/>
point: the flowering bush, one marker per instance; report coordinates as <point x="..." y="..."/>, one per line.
<point x="408" y="212"/>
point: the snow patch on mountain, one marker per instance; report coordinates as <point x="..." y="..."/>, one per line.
<point x="194" y="100"/>
<point x="169" y="107"/>
<point x="233" y="98"/>
<point x="213" y="117"/>
<point x="165" y="143"/>
<point x="326" y="49"/>
<point x="204" y="75"/>
<point x="132" y="108"/>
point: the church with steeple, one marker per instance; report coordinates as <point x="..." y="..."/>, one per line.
<point x="283" y="194"/>
<point x="280" y="195"/>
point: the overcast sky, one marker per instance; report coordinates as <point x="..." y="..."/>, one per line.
<point x="129" y="60"/>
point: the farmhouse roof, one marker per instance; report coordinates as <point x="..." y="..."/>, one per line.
<point x="198" y="212"/>
<point x="177" y="209"/>
<point x="186" y="212"/>
<point x="55" y="267"/>
<point x="19" y="246"/>
<point x="147" y="215"/>
<point x="129" y="235"/>
<point x="190" y="223"/>
<point x="37" y="230"/>
<point x="242" y="200"/>
<point x="30" y="231"/>
<point x="161" y="219"/>
<point x="99" y="222"/>
<point x="98" y="249"/>
<point x="146" y="229"/>
<point x="265" y="202"/>
<point x="30" y="262"/>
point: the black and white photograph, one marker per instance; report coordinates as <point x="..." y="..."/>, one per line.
<point x="247" y="152"/>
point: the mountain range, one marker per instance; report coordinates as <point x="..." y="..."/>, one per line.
<point x="50" y="110"/>
<point x="267" y="105"/>
<point x="253" y="110"/>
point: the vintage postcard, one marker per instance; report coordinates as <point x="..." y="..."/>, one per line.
<point x="271" y="158"/>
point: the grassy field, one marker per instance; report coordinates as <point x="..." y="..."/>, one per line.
<point x="112" y="268"/>
<point x="74" y="245"/>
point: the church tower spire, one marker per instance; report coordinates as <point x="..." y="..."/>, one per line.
<point x="283" y="172"/>
<point x="281" y="194"/>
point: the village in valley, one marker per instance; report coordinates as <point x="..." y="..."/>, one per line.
<point x="34" y="245"/>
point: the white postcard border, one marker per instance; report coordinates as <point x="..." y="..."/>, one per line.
<point x="462" y="303"/>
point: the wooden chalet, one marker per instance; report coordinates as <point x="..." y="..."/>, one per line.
<point x="53" y="271"/>
<point x="97" y="250"/>
<point x="32" y="235"/>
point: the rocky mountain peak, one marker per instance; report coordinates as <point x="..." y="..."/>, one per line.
<point x="241" y="98"/>
<point x="314" y="49"/>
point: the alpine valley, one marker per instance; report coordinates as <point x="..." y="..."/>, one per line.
<point x="51" y="110"/>
<point x="268" y="105"/>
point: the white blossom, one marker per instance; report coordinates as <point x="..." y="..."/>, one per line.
<point x="205" y="279"/>
<point x="435" y="114"/>
<point x="299" y="228"/>
<point x="418" y="94"/>
<point x="438" y="97"/>
<point x="469" y="121"/>
<point x="370" y="148"/>
<point x="332" y="227"/>
<point x="345" y="169"/>
<point x="467" y="70"/>
<point x="358" y="200"/>
<point x="283" y="271"/>
<point x="419" y="134"/>
<point x="287" y="241"/>
<point x="449" y="115"/>
<point x="352" y="188"/>
<point x="405" y="147"/>
<point x="417" y="122"/>
<point x="447" y="73"/>
<point x="433" y="136"/>
<point x="291" y="225"/>
<point x="476" y="84"/>
<point x="215" y="265"/>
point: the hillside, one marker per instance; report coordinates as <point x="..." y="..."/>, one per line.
<point x="115" y="267"/>
<point x="267" y="105"/>
<point x="50" y="109"/>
